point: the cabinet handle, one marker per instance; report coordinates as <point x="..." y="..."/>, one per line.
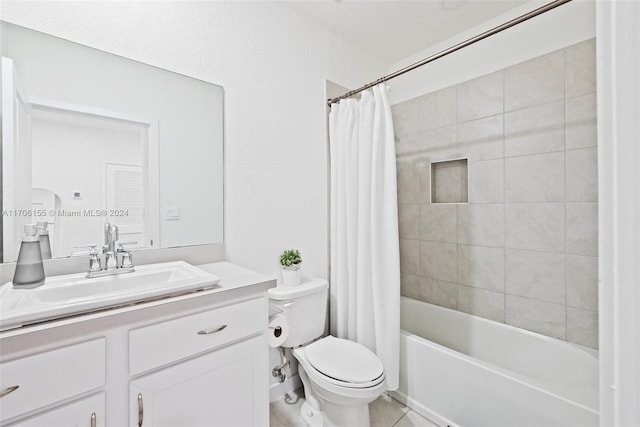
<point x="93" y="420"/>
<point x="140" y="410"/>
<point x="9" y="390"/>
<point x="211" y="331"/>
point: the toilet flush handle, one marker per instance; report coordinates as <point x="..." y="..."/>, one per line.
<point x="287" y="304"/>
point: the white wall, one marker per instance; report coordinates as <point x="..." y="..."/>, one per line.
<point x="563" y="26"/>
<point x="272" y="64"/>
<point x="619" y="194"/>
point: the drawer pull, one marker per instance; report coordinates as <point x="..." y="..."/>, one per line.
<point x="93" y="419"/>
<point x="211" y="331"/>
<point x="9" y="390"/>
<point x="140" y="410"/>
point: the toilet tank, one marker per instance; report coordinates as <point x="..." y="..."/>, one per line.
<point x="305" y="307"/>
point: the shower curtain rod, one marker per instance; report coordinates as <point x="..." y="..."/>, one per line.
<point x="454" y="48"/>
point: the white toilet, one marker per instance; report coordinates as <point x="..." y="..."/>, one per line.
<point x="340" y="377"/>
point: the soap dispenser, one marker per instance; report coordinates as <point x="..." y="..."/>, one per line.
<point x="43" y="237"/>
<point x="29" y="269"/>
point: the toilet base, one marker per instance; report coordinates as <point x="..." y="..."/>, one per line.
<point x="310" y="416"/>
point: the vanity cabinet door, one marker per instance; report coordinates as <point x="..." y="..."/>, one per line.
<point x="227" y="387"/>
<point x="89" y="412"/>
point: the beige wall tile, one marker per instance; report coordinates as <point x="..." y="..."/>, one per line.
<point x="535" y="226"/>
<point x="405" y="117"/>
<point x="437" y="292"/>
<point x="437" y="109"/>
<point x="439" y="261"/>
<point x="409" y="256"/>
<point x="581" y="128"/>
<point x="538" y="275"/>
<point x="481" y="224"/>
<point x="481" y="139"/>
<point x="486" y="181"/>
<point x="582" y="175"/>
<point x="413" y="186"/>
<point x="480" y="97"/>
<point x="582" y="228"/>
<point x="582" y="282"/>
<point x="410" y="286"/>
<point x="534" y="130"/>
<point x="534" y="82"/>
<point x="408" y="221"/>
<point x="535" y="178"/>
<point x="410" y="152"/>
<point x="438" y="223"/>
<point x="581" y="68"/>
<point x="481" y="267"/>
<point x="524" y="250"/>
<point x="582" y="327"/>
<point x="439" y="144"/>
<point x="481" y="302"/>
<point x="537" y="316"/>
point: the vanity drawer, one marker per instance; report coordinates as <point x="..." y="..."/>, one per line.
<point x="167" y="342"/>
<point x="50" y="377"/>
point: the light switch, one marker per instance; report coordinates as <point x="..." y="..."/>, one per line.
<point x="172" y="214"/>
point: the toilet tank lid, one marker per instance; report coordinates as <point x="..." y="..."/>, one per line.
<point x="312" y="286"/>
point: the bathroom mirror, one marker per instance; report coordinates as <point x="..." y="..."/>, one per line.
<point x="89" y="137"/>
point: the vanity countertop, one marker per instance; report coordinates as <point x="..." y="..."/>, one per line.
<point x="236" y="283"/>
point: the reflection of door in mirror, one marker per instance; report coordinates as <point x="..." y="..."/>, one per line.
<point x="124" y="190"/>
<point x="16" y="160"/>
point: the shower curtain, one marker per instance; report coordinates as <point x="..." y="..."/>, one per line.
<point x="365" y="260"/>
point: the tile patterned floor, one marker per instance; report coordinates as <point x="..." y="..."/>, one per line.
<point x="384" y="412"/>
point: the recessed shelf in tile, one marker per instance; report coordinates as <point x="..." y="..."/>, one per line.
<point x="449" y="181"/>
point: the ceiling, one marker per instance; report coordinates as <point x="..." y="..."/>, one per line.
<point x="396" y="29"/>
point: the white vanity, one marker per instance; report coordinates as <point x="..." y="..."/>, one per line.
<point x="191" y="360"/>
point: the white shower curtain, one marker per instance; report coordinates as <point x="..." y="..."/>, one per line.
<point x="365" y="259"/>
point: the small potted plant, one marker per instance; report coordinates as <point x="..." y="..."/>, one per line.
<point x="290" y="261"/>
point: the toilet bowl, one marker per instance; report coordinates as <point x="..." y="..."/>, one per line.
<point x="340" y="377"/>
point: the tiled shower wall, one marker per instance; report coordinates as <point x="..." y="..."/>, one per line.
<point x="523" y="250"/>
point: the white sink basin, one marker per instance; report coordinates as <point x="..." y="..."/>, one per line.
<point x="62" y="296"/>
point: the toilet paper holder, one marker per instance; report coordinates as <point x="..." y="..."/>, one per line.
<point x="277" y="331"/>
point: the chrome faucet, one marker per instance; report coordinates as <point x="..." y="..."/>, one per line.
<point x="111" y="248"/>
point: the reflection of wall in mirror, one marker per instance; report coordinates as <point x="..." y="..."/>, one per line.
<point x="69" y="156"/>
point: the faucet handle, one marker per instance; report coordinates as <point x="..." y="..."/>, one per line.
<point x="121" y="245"/>
<point x="94" y="261"/>
<point x="126" y="262"/>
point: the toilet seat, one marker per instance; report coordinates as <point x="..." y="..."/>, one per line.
<point x="344" y="363"/>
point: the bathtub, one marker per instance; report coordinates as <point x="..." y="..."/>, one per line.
<point x="461" y="370"/>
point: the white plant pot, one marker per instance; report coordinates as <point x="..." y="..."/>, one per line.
<point x="291" y="275"/>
